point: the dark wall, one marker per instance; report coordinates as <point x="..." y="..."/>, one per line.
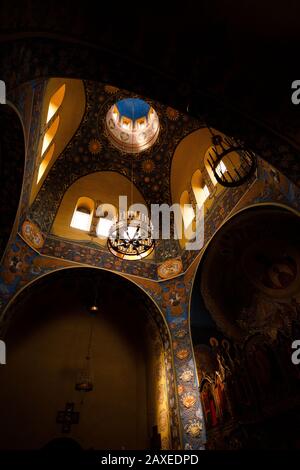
<point x="46" y="345"/>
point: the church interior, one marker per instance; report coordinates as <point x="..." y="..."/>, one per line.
<point x="116" y="339"/>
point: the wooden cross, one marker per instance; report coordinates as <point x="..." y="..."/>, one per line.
<point x="67" y="417"/>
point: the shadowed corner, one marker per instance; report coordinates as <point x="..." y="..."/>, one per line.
<point x="2" y="92"/>
<point x="2" y="352"/>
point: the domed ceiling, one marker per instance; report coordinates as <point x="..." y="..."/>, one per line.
<point x="173" y="155"/>
<point x="91" y="149"/>
<point x="132" y="124"/>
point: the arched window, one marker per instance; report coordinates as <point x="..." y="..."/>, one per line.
<point x="107" y="214"/>
<point x="49" y="135"/>
<point x="83" y="214"/>
<point x="188" y="215"/>
<point x="200" y="190"/>
<point x="55" y="102"/>
<point x="45" y="162"/>
<point x="221" y="168"/>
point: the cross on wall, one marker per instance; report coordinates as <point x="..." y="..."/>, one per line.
<point x="67" y="417"/>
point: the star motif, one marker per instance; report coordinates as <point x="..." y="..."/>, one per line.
<point x="95" y="146"/>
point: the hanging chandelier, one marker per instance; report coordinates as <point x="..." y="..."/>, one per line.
<point x="130" y="237"/>
<point x="84" y="382"/>
<point x="231" y="163"/>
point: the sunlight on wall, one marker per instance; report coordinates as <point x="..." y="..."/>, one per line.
<point x="188" y="215"/>
<point x="55" y="101"/>
<point x="45" y="162"/>
<point x="62" y="111"/>
<point x="158" y="404"/>
<point x="107" y="214"/>
<point x="103" y="227"/>
<point x="201" y="191"/>
<point x="49" y="136"/>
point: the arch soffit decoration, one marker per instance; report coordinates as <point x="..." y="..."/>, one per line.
<point x="113" y="273"/>
<point x="103" y="187"/>
<point x="192" y="132"/>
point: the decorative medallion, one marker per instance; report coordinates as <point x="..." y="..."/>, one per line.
<point x="148" y="166"/>
<point x="187" y="375"/>
<point x="32" y="234"/>
<point x="170" y="268"/>
<point x="194" y="428"/>
<point x="181" y="333"/>
<point x="111" y="90"/>
<point x="95" y="146"/>
<point x="188" y="399"/>
<point x="172" y="114"/>
<point x="182" y="354"/>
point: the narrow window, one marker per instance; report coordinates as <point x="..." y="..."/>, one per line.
<point x="55" y="101"/>
<point x="49" y="135"/>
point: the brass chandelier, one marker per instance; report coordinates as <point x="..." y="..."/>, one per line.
<point x="231" y="162"/>
<point x="130" y="237"/>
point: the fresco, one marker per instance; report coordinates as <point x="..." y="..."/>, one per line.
<point x="21" y="266"/>
<point x="90" y="150"/>
<point x="33" y="252"/>
<point x="172" y="296"/>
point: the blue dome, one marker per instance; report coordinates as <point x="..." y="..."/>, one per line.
<point x="133" y="108"/>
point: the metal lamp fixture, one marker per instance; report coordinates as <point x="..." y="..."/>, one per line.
<point x="231" y="163"/>
<point x="130" y="237"/>
<point x="84" y="380"/>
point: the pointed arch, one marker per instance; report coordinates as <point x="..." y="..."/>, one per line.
<point x="156" y="380"/>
